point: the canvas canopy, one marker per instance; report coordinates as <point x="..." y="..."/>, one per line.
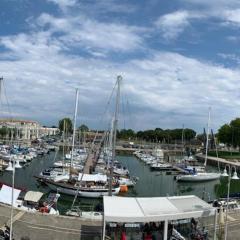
<point x="123" y="209"/>
<point x="6" y="195"/>
<point x="92" y="177"/>
<point x="33" y="196"/>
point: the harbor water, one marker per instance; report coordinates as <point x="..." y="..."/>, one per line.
<point x="150" y="183"/>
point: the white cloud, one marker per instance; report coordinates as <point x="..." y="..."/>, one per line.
<point x="165" y="89"/>
<point x="232" y="57"/>
<point x="64" y="3"/>
<point x="94" y="35"/>
<point x="227" y="12"/>
<point x="160" y="87"/>
<point x="173" y="24"/>
<point x="232" y="16"/>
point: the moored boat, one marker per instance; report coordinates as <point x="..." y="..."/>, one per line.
<point x="198" y="177"/>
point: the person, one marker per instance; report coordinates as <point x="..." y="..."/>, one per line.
<point x="123" y="235"/>
<point x="193" y="224"/>
<point x="148" y="236"/>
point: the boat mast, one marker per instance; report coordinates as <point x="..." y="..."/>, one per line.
<point x="74" y="129"/>
<point x="209" y="112"/>
<point x="183" y="140"/>
<point x="115" y="121"/>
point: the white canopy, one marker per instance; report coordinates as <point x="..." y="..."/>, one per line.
<point x="123" y="209"/>
<point x="33" y="196"/>
<point x="6" y="195"/>
<point x="92" y="177"/>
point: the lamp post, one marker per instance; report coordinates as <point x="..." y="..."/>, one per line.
<point x="12" y="199"/>
<point x="230" y="177"/>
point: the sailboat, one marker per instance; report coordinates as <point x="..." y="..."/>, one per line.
<point x="200" y="176"/>
<point x="86" y="185"/>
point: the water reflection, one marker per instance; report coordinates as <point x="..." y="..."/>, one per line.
<point x="153" y="184"/>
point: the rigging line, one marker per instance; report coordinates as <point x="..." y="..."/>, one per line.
<point x="214" y="140"/>
<point x="92" y="145"/>
<point x="128" y="111"/>
<point x="8" y="105"/>
<point x="105" y="110"/>
<point x="123" y="112"/>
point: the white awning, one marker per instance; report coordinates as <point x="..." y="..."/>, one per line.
<point x="6" y="195"/>
<point x="33" y="196"/>
<point x="124" y="209"/>
<point x="92" y="177"/>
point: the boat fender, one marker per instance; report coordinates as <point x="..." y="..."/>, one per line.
<point x="123" y="188"/>
<point x="43" y="210"/>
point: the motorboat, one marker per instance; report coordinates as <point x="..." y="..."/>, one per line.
<point x="161" y="166"/>
<point x="198" y="177"/>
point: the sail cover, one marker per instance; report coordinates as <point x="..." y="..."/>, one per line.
<point x="6" y="195"/>
<point x="92" y="177"/>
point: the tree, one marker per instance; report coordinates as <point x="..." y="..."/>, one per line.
<point x="126" y="134"/>
<point x="68" y="125"/>
<point x="83" y="128"/>
<point x="235" y="132"/>
<point x="4" y="131"/>
<point x="230" y="133"/>
<point x="224" y="134"/>
<point x="189" y="134"/>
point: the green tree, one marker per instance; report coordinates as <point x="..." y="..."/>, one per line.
<point x="83" y="128"/>
<point x="4" y="131"/>
<point x="225" y="134"/>
<point x="235" y="132"/>
<point x="189" y="134"/>
<point x="126" y="134"/>
<point x="68" y="125"/>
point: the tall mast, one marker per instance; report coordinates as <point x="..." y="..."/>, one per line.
<point x="1" y="82"/>
<point x="209" y="112"/>
<point x="115" y="122"/>
<point x="74" y="128"/>
<point x="183" y="139"/>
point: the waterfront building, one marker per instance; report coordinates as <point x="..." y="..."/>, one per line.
<point x="26" y="129"/>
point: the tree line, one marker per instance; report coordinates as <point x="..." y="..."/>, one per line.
<point x="228" y="133"/>
<point x="158" y="135"/>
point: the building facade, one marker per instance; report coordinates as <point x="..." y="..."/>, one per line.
<point x="26" y="129"/>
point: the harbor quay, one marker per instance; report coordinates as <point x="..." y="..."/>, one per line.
<point x="38" y="226"/>
<point x="214" y="161"/>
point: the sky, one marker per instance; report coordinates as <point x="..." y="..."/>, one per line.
<point x="177" y="58"/>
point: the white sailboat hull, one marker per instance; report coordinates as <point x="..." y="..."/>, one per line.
<point x="88" y="193"/>
<point x="199" y="177"/>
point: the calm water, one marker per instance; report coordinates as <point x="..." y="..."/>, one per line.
<point x="150" y="184"/>
<point x="157" y="183"/>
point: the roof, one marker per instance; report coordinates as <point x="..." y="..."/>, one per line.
<point x="124" y="209"/>
<point x="92" y="177"/>
<point x="6" y="195"/>
<point x="33" y="196"/>
<point x="9" y="120"/>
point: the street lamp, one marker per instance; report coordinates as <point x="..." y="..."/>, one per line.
<point x="230" y="177"/>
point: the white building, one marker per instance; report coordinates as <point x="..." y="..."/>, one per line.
<point x="26" y="129"/>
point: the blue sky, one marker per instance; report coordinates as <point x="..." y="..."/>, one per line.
<point x="177" y="59"/>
